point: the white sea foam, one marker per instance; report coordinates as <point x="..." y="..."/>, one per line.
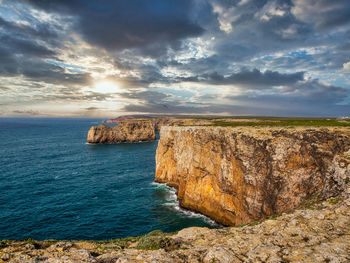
<point x="173" y="203"/>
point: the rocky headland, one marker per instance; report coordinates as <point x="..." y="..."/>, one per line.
<point x="283" y="192"/>
<point x="126" y="131"/>
<point x="237" y="175"/>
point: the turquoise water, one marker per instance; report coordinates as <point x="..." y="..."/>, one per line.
<point x="55" y="186"/>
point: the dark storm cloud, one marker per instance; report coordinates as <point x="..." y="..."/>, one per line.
<point x="257" y="78"/>
<point x="42" y="31"/>
<point x="22" y="55"/>
<point x="344" y="47"/>
<point x="25" y="47"/>
<point x="316" y="91"/>
<point x="250" y="78"/>
<point x="8" y="63"/>
<point x="323" y="13"/>
<point x="30" y="65"/>
<point x="41" y="71"/>
<point x="258" y="27"/>
<point x="117" y="25"/>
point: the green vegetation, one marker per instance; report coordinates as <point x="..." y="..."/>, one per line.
<point x="116" y="244"/>
<point x="33" y="242"/>
<point x="124" y="242"/>
<point x="285" y="122"/>
<point x="51" y="241"/>
<point x="275" y="216"/>
<point x="314" y="202"/>
<point x="156" y="240"/>
<point x="333" y="200"/>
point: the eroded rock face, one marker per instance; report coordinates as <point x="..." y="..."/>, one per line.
<point x="130" y="131"/>
<point x="240" y="175"/>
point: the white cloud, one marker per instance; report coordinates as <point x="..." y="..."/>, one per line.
<point x="346" y="66"/>
<point x="289" y="32"/>
<point x="226" y="16"/>
<point x="270" y="10"/>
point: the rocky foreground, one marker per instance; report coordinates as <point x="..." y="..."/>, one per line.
<point x="318" y="232"/>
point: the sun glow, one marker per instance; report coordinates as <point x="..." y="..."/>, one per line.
<point x="106" y="87"/>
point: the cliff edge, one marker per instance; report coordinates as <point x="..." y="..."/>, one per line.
<point x="129" y="131"/>
<point x="240" y="175"/>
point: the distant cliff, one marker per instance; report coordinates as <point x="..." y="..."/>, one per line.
<point x="240" y="175"/>
<point x="129" y="131"/>
<point x="160" y="121"/>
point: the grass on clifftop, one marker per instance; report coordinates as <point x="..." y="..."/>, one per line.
<point x="309" y="122"/>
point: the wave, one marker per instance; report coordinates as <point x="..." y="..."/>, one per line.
<point x="173" y="203"/>
<point x="116" y="143"/>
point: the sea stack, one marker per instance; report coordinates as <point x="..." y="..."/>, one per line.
<point x="126" y="131"/>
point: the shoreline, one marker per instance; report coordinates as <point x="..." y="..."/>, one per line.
<point x="183" y="210"/>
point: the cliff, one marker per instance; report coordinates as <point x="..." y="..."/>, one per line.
<point x="159" y="122"/>
<point x="129" y="131"/>
<point x="240" y="175"/>
<point x="319" y="233"/>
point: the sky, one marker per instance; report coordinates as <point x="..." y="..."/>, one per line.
<point x="89" y="58"/>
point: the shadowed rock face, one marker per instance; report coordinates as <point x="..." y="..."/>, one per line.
<point x="240" y="175"/>
<point x="130" y="131"/>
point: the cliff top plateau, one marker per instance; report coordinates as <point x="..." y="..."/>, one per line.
<point x="235" y="121"/>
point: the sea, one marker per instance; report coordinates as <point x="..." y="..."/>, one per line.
<point x="54" y="185"/>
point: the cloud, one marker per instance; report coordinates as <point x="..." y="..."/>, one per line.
<point x="346" y="66"/>
<point x="39" y="70"/>
<point x="92" y="109"/>
<point x="180" y="56"/>
<point x="27" y="112"/>
<point x="322" y="13"/>
<point x="149" y="96"/>
<point x="25" y="47"/>
<point x="255" y="78"/>
<point x="124" y="24"/>
<point x="42" y="31"/>
<point x="252" y="78"/>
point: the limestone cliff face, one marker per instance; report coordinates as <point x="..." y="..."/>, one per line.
<point x="130" y="131"/>
<point x="240" y="175"/>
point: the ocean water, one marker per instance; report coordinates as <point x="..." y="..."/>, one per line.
<point x="53" y="185"/>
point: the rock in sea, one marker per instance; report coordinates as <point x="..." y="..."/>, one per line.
<point x="130" y="131"/>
